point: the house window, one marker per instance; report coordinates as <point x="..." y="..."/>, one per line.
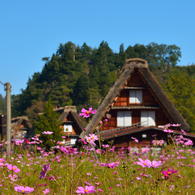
<point x="148" y="118"/>
<point x="67" y="128"/>
<point x="124" y="118"/>
<point x="73" y="140"/>
<point x="135" y="96"/>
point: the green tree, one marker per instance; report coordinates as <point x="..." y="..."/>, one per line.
<point x="81" y="91"/>
<point x="48" y="121"/>
<point x="2" y="105"/>
<point x="120" y="58"/>
<point x="180" y="88"/>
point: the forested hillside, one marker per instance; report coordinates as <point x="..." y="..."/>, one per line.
<point x="81" y="76"/>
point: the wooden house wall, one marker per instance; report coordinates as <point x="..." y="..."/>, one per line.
<point x="161" y="118"/>
<point x="123" y="99"/>
<point x="111" y="124"/>
<point x="127" y="141"/>
<point x="135" y="80"/>
<point x="148" y="98"/>
<point x="136" y="114"/>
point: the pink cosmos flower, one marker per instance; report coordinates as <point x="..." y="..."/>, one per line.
<point x="168" y="131"/>
<point x="19" y="142"/>
<point x="148" y="163"/>
<point x="46" y="191"/>
<point x="110" y="165"/>
<point x="90" y="140"/>
<point x="93" y="137"/>
<point x="156" y="164"/>
<point x="3" y="164"/>
<point x="168" y="173"/>
<point x="14" y="168"/>
<point x="23" y="189"/>
<point x="13" y="177"/>
<point x="105" y="146"/>
<point x="183" y="131"/>
<point x="2" y="160"/>
<point x="86" y="190"/>
<point x="45" y="170"/>
<point x="136" y="140"/>
<point x="144" y="163"/>
<point x="188" y="143"/>
<point x="98" y="151"/>
<point x="47" y="132"/>
<point x="86" y="113"/>
<point x="139" y="178"/>
<point x="176" y="125"/>
<point x="113" y="164"/>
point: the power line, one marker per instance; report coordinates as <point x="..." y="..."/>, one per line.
<point x="2" y="83"/>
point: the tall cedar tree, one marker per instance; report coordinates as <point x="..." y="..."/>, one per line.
<point x="48" y="121"/>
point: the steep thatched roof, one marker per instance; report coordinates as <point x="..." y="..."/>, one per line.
<point x="19" y="120"/>
<point x="73" y="112"/>
<point x="142" y="67"/>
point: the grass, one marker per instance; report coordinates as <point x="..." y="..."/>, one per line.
<point x="75" y="168"/>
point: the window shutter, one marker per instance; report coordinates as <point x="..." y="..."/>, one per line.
<point x="73" y="141"/>
<point x="127" y="118"/>
<point x="132" y="96"/>
<point x="138" y="96"/>
<point x="144" y="118"/>
<point x="67" y="128"/>
<point x="120" y="119"/>
<point x="151" y="118"/>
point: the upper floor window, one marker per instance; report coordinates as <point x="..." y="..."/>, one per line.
<point x="148" y="118"/>
<point x="135" y="96"/>
<point x="67" y="128"/>
<point x="124" y="118"/>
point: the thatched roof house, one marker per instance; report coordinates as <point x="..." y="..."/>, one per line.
<point x="72" y="124"/>
<point x="135" y="96"/>
<point x="21" y="127"/>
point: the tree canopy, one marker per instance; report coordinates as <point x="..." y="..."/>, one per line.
<point x="48" y="121"/>
<point x="82" y="75"/>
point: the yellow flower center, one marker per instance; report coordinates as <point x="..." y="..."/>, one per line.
<point x="23" y="190"/>
<point x="144" y="163"/>
<point x="14" y="168"/>
<point x="86" y="190"/>
<point x="169" y="173"/>
<point x="87" y="112"/>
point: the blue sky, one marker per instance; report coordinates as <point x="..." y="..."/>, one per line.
<point x="30" y="30"/>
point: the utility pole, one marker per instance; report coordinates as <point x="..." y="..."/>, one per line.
<point x="8" y="117"/>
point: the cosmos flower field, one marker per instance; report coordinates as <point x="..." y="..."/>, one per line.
<point x="98" y="170"/>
